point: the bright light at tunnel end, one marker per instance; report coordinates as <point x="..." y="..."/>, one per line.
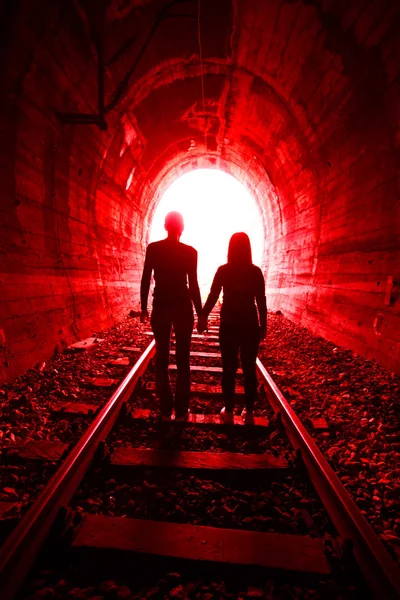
<point x="214" y="205"/>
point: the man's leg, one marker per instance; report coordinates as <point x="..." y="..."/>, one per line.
<point x="161" y="326"/>
<point x="183" y="327"/>
<point x="229" y="353"/>
<point x="249" y="343"/>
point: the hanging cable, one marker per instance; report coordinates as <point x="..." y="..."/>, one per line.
<point x="201" y="70"/>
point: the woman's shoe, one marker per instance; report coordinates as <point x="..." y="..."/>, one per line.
<point x="247" y="416"/>
<point x="183" y="418"/>
<point x="227" y="416"/>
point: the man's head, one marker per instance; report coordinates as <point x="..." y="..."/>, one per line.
<point x="174" y="223"/>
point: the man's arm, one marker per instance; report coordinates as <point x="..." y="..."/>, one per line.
<point x="145" y="283"/>
<point x="194" y="284"/>
<point x="261" y="301"/>
<point x="213" y="296"/>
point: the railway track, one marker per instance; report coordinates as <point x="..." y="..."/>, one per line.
<point x="203" y="465"/>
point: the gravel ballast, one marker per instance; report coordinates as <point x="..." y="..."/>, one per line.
<point x="360" y="401"/>
<point x="182" y="585"/>
<point x="27" y="414"/>
<point x="286" y="506"/>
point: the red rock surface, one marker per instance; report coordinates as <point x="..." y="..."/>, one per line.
<point x="301" y="102"/>
<point x="360" y="401"/>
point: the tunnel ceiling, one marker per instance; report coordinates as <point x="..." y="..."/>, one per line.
<point x="284" y="84"/>
<point x="281" y="79"/>
<point x="298" y="99"/>
<point x="257" y="106"/>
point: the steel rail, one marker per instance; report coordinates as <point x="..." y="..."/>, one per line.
<point x="379" y="569"/>
<point x="21" y="548"/>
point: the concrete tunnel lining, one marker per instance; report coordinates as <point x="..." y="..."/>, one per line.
<point x="294" y="94"/>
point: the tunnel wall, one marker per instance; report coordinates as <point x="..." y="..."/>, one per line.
<point x="301" y="103"/>
<point x="335" y="238"/>
<point x="70" y="241"/>
<point x="314" y="99"/>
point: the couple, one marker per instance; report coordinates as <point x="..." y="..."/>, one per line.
<point x="176" y="287"/>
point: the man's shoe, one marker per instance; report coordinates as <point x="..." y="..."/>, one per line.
<point x="165" y="418"/>
<point x="182" y="419"/>
<point x="227" y="417"/>
<point x="248" y="417"/>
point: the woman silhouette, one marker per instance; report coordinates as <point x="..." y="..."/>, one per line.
<point x="240" y="327"/>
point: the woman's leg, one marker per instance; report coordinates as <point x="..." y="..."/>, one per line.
<point x="249" y="343"/>
<point x="229" y="352"/>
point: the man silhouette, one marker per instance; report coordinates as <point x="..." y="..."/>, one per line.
<point x="176" y="287"/>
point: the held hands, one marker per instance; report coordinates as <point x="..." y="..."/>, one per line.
<point x="202" y="324"/>
<point x="144" y="316"/>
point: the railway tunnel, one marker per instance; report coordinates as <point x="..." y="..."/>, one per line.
<point x="105" y="103"/>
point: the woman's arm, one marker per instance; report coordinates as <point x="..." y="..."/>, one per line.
<point x="261" y="301"/>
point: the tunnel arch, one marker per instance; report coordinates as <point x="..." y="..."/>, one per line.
<point x="260" y="189"/>
<point x="301" y="104"/>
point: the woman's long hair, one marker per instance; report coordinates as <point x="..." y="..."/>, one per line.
<point x="239" y="250"/>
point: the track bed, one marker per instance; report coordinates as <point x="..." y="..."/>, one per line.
<point x="194" y="510"/>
